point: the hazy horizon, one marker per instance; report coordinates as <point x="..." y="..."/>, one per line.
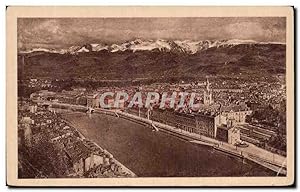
<point x="64" y="32"/>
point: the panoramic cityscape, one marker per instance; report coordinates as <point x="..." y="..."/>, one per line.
<point x="151" y="97"/>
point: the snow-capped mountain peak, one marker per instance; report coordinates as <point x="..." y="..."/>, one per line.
<point x="83" y="49"/>
<point x="178" y="46"/>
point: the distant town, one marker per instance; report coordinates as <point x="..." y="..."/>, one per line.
<point x="241" y="118"/>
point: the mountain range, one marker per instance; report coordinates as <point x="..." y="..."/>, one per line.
<point x="156" y="59"/>
<point x="177" y="46"/>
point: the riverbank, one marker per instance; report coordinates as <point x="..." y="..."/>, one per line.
<point x="253" y="153"/>
<point x="159" y="153"/>
<point x="151" y="153"/>
<point x="122" y="168"/>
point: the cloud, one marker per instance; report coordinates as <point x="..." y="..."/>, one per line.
<point x="63" y="32"/>
<point x="256" y="31"/>
<point x="50" y="26"/>
<point x="244" y="30"/>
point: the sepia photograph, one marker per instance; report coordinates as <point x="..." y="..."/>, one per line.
<point x="150" y="96"/>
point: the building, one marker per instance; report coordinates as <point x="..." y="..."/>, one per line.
<point x="81" y="100"/>
<point x="228" y="133"/>
<point x="202" y="124"/>
<point x="207" y="96"/>
<point x="42" y="95"/>
<point x="93" y="100"/>
<point x="206" y="124"/>
<point x="26" y="136"/>
<point x="237" y="112"/>
<point x="82" y="158"/>
<point x="33" y="108"/>
<point x="208" y="120"/>
<point x="186" y="122"/>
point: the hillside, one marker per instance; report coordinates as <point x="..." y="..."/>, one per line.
<point x="242" y="59"/>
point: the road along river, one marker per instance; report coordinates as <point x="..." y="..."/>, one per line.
<point x="149" y="153"/>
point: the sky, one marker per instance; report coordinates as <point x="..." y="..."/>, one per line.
<point x="65" y="32"/>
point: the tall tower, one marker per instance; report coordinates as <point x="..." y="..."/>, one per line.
<point x="207" y="99"/>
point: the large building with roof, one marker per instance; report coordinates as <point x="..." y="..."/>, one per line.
<point x="211" y="117"/>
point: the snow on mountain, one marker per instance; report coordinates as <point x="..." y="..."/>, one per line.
<point x="139" y="45"/>
<point x="238" y="41"/>
<point x="231" y="43"/>
<point x="82" y="49"/>
<point x="73" y="49"/>
<point x="62" y="51"/>
<point x="147" y="45"/>
<point x="98" y="47"/>
<point x="36" y="50"/>
<point x="115" y="48"/>
<point x="162" y="44"/>
<point x="185" y="46"/>
<point x="188" y="46"/>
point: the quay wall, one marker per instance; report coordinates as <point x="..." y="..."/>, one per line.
<point x="278" y="166"/>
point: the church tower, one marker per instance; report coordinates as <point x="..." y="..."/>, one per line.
<point x="207" y="100"/>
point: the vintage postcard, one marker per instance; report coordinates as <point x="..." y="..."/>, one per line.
<point x="150" y="96"/>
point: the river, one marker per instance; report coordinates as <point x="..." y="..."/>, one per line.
<point x="150" y="154"/>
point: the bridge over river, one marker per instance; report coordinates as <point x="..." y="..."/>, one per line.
<point x="157" y="153"/>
